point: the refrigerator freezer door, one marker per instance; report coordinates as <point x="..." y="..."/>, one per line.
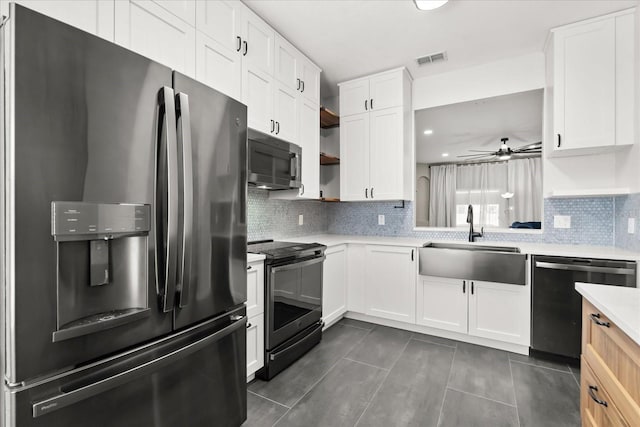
<point x="86" y="129"/>
<point x="213" y="277"/>
<point x="195" y="379"/>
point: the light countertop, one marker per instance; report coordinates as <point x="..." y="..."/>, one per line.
<point x="254" y="257"/>
<point x="584" y="251"/>
<point x="621" y="305"/>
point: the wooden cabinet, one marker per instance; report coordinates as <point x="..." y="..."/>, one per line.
<point x="390" y="285"/>
<point x="151" y="30"/>
<point x="593" y="84"/>
<point x="255" y="317"/>
<point x="442" y="303"/>
<point x="375" y="137"/>
<point x="610" y="372"/>
<point x="93" y="16"/>
<point x="334" y="284"/>
<point x="490" y="310"/>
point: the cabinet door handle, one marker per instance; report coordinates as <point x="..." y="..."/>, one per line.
<point x="559" y="140"/>
<point x="239" y="43"/>
<point x="249" y="325"/>
<point x="471" y="288"/>
<point x="366" y="102"/>
<point x="301" y="189"/>
<point x="273" y="126"/>
<point x="464" y="286"/>
<point x="371" y="103"/>
<point x="298" y="84"/>
<point x="303" y="86"/>
<point x="412" y="254"/>
<point x="366" y="193"/>
<point x="592" y="395"/>
<point x="249" y="267"/>
<point x="372" y="192"/>
<point x="596" y="319"/>
<point x="246" y="48"/>
<point x="277" y="128"/>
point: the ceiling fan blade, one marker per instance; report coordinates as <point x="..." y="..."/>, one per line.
<point x="477" y="156"/>
<point x="483" y="151"/>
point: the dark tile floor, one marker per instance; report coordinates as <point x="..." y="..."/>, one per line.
<point x="368" y="375"/>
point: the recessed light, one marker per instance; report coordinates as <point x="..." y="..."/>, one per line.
<point x="429" y="4"/>
<point x="428" y="132"/>
<point x="445" y="154"/>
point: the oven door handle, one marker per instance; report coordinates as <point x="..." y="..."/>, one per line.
<point x="295" y="265"/>
<point x="587" y="268"/>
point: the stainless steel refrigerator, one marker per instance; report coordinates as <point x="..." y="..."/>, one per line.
<point x="123" y="237"/>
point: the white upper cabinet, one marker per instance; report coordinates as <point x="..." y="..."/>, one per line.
<point x="593" y="85"/>
<point x="149" y="29"/>
<point x="309" y="140"/>
<point x="286" y="63"/>
<point x="309" y="76"/>
<point x="375" y="163"/>
<point x="285" y="113"/>
<point x="183" y="9"/>
<point x="258" y="41"/>
<point x="218" y="45"/>
<point x="257" y="94"/>
<point x="93" y="16"/>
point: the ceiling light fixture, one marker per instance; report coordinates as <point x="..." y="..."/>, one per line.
<point x="445" y="154"/>
<point x="429" y="4"/>
<point x="428" y="132"/>
<point x="504" y="157"/>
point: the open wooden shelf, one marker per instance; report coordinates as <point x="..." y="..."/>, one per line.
<point x="328" y="119"/>
<point x="326" y="159"/>
<point x="329" y="199"/>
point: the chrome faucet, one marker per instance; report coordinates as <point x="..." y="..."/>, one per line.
<point x="473" y="234"/>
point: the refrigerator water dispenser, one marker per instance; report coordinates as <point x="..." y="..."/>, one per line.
<point x="102" y="274"/>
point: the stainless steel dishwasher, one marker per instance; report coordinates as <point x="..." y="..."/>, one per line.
<point x="556" y="307"/>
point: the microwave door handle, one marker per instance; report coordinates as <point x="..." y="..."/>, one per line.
<point x="294" y="166"/>
<point x="166" y="201"/>
<point x="184" y="145"/>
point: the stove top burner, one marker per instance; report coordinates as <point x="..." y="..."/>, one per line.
<point x="277" y="250"/>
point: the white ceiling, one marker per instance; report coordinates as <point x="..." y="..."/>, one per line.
<point x="353" y="38"/>
<point x="478" y="125"/>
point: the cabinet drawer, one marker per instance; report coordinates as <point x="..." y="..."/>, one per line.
<point x="597" y="408"/>
<point x="618" y="353"/>
<point x="255" y="288"/>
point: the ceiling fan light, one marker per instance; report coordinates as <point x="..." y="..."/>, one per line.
<point x="429" y="4"/>
<point x="504" y="157"/>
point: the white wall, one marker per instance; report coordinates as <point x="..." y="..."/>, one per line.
<point x="503" y="77"/>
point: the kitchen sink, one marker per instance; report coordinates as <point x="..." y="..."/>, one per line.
<point x="469" y="247"/>
<point x="500" y="264"/>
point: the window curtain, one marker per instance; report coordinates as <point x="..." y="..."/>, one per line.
<point x="525" y="182"/>
<point x="442" y="209"/>
<point x="481" y="185"/>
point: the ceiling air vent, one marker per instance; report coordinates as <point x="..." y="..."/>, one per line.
<point x="429" y="59"/>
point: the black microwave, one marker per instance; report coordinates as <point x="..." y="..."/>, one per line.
<point x="273" y="164"/>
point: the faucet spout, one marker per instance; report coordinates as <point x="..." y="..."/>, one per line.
<point x="473" y="234"/>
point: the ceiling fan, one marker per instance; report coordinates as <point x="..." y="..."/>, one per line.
<point x="505" y="152"/>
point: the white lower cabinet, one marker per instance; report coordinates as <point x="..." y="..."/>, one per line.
<point x="255" y="317"/>
<point x="497" y="311"/>
<point x="390" y="285"/>
<point x="442" y="304"/>
<point x="255" y="344"/>
<point x="334" y="284"/>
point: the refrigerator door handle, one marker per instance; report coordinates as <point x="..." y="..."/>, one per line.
<point x="62" y="400"/>
<point x="184" y="145"/>
<point x="166" y="201"/>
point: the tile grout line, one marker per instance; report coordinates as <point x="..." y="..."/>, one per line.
<point x="575" y="378"/>
<point x="373" y="396"/>
<point x="323" y="376"/>
<point x="446" y="387"/>
<point x="515" y="397"/>
<point x="482" y="397"/>
<point x="353" y="326"/>
<point x="538" y="366"/>
<point x="366" y="364"/>
<point x="434" y="343"/>
<point x="266" y="398"/>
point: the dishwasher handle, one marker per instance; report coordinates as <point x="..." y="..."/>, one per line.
<point x="585" y="268"/>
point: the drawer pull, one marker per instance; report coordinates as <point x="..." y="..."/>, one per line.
<point x="596" y="319"/>
<point x="592" y="395"/>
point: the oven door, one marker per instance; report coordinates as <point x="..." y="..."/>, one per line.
<point x="294" y="293"/>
